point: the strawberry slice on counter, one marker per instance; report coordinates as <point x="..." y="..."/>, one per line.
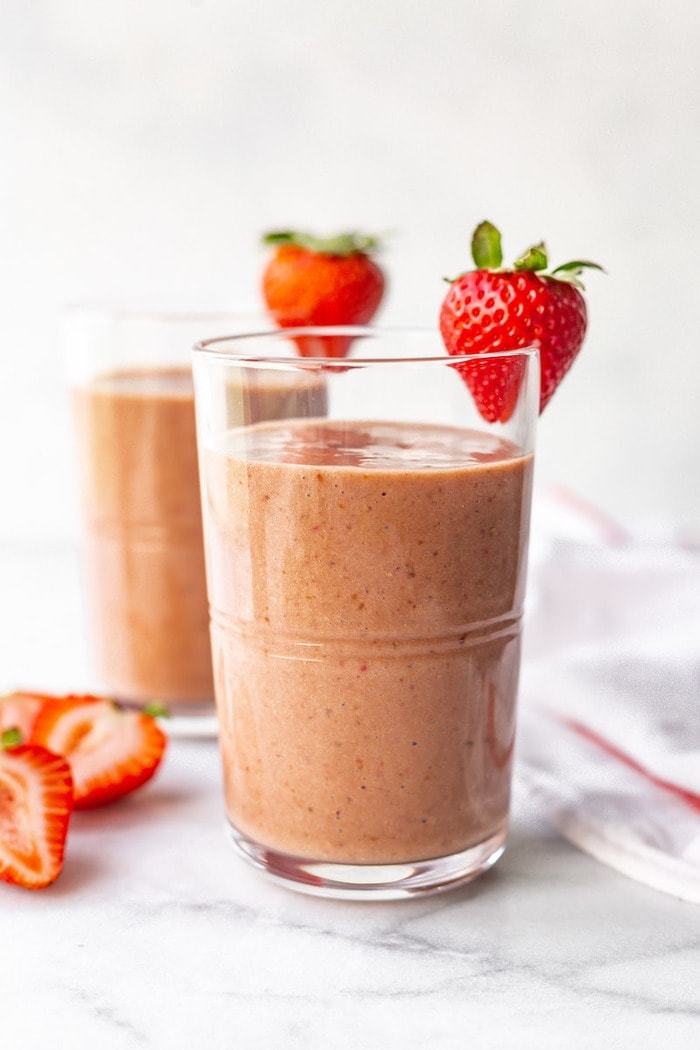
<point x="493" y="308"/>
<point x="36" y="801"/>
<point x="111" y="751"/>
<point x="19" y="710"/>
<point x="322" y="281"/>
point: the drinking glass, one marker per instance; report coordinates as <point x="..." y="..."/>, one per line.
<point x="366" y="563"/>
<point x="143" y="558"/>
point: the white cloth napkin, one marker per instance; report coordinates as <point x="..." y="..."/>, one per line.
<point x="609" y="722"/>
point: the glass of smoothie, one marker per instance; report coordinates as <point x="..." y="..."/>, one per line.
<point x="131" y="385"/>
<point x="366" y="573"/>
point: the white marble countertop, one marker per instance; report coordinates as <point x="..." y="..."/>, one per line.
<point x="157" y="936"/>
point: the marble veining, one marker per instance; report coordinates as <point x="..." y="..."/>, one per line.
<point x="158" y="937"/>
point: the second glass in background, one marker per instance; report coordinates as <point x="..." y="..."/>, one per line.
<point x="143" y="558"/>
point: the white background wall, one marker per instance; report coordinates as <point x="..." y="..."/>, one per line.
<point x="145" y="144"/>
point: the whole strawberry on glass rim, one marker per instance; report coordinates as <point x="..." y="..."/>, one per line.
<point x="317" y="281"/>
<point x="495" y="308"/>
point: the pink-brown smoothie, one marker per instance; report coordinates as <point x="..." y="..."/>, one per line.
<point x="144" y="549"/>
<point x="144" y="555"/>
<point x="366" y="584"/>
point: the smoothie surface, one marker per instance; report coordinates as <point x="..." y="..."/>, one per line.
<point x="371" y="445"/>
<point x="366" y="587"/>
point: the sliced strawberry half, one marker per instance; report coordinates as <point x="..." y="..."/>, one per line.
<point x="19" y="710"/>
<point x="111" y="751"/>
<point x="36" y="801"/>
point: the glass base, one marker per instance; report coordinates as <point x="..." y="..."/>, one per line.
<point x="373" y="882"/>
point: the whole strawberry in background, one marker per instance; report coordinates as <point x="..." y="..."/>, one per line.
<point x="494" y="308"/>
<point x="322" y="282"/>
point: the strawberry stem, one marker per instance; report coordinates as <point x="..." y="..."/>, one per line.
<point x="342" y="244"/>
<point x="488" y="255"/>
<point x="574" y="269"/>
<point x="156" y="710"/>
<point x="533" y="260"/>
<point x="486" y="247"/>
<point x="10" y="738"/>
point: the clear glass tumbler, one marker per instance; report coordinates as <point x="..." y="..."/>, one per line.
<point x="130" y="373"/>
<point x="366" y="562"/>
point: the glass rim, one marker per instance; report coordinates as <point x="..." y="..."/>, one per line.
<point x="230" y="348"/>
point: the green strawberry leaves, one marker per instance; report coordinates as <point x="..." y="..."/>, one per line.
<point x="533" y="260"/>
<point x="486" y="247"/>
<point x="571" y="271"/>
<point x="343" y="244"/>
<point x="10" y="738"/>
<point x="487" y="254"/>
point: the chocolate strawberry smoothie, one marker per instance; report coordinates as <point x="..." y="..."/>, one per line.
<point x="144" y="555"/>
<point x="366" y="585"/>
